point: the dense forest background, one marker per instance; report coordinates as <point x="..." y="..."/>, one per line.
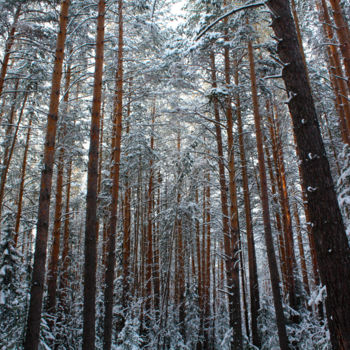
<point x="168" y="178"/>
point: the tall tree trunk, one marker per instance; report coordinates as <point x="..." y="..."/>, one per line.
<point x="336" y="72"/>
<point x="278" y="222"/>
<point x="180" y="258"/>
<point x="116" y="151"/>
<point x="284" y="204"/>
<point x="235" y="308"/>
<point x="332" y="250"/>
<point x="56" y="232"/>
<point x="90" y="250"/>
<point x="231" y="267"/>
<point x="301" y="250"/>
<point x="281" y="326"/>
<point x="207" y="252"/>
<point x="199" y="272"/>
<point x="127" y="221"/>
<point x="253" y="274"/>
<point x="39" y="268"/>
<point x="149" y="244"/>
<point x="299" y="36"/>
<point x="156" y="252"/>
<point x="66" y="233"/>
<point x="8" y="46"/>
<point x="21" y="186"/>
<point x="8" y="155"/>
<point x="343" y="33"/>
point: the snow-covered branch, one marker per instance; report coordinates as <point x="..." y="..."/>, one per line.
<point x="202" y="32"/>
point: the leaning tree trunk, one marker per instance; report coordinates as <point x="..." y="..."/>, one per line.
<point x="38" y="277"/>
<point x="331" y="243"/>
<point x="89" y="312"/>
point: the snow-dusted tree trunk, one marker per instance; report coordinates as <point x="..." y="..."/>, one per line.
<point x="271" y="256"/>
<point x="39" y="268"/>
<point x="331" y="243"/>
<point x="116" y="152"/>
<point x="89" y="312"/>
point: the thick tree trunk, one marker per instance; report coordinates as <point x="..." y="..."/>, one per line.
<point x="90" y="252"/>
<point x="39" y="268"/>
<point x="332" y="250"/>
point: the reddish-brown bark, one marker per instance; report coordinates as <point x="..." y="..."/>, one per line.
<point x="56" y="232"/>
<point x="9" y="150"/>
<point x="232" y="276"/>
<point x="343" y="34"/>
<point x="8" y="46"/>
<point x="278" y="222"/>
<point x="253" y="275"/>
<point x="282" y="333"/>
<point x="336" y="72"/>
<point x="38" y="276"/>
<point x="285" y="208"/>
<point x="235" y="307"/>
<point x="332" y="250"/>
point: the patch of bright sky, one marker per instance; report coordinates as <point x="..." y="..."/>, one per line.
<point x="177" y="13"/>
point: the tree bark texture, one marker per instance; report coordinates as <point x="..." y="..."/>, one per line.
<point x="231" y="267"/>
<point x="281" y="326"/>
<point x="90" y="250"/>
<point x="331" y="243"/>
<point x="8" y="46"/>
<point x="343" y="33"/>
<point x="39" y="267"/>
<point x="116" y="151"/>
<point x="253" y="274"/>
